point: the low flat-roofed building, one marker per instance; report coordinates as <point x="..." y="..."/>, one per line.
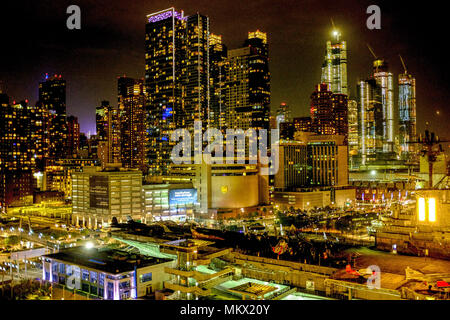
<point x="309" y="199"/>
<point x="99" y="195"/>
<point x="108" y="274"/>
<point x="313" y="173"/>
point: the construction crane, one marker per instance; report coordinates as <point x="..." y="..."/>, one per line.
<point x="372" y="52"/>
<point x="335" y="31"/>
<point x="403" y="63"/>
<point x="378" y="62"/>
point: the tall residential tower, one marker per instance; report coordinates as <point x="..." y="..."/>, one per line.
<point x="407" y="115"/>
<point x="334" y="68"/>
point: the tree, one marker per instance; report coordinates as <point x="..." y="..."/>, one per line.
<point x="12" y="241"/>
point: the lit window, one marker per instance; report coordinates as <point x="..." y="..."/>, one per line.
<point x="421" y="209"/>
<point x="432" y="210"/>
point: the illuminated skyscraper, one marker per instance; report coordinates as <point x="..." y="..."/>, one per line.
<point x="40" y="118"/>
<point x="385" y="80"/>
<point x="353" y="133"/>
<point x="217" y="77"/>
<point x="322" y="110"/>
<point x="164" y="57"/>
<point x="132" y="122"/>
<point x="334" y="68"/>
<point x="176" y="79"/>
<point x="195" y="72"/>
<point x="248" y="84"/>
<point x="370" y="120"/>
<point x="52" y="96"/>
<point x="17" y="160"/>
<point x="108" y="133"/>
<point x="407" y="118"/>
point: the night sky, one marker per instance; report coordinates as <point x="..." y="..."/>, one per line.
<point x="35" y="41"/>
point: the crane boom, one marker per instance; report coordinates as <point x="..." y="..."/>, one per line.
<point x="403" y="63"/>
<point x="332" y="23"/>
<point x="371" y="51"/>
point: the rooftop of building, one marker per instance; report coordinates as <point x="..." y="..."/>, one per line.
<point x="108" y="170"/>
<point x="253" y="289"/>
<point x="108" y="260"/>
<point x="186" y="244"/>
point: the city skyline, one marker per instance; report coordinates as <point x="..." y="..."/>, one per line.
<point x="292" y="80"/>
<point x="207" y="152"/>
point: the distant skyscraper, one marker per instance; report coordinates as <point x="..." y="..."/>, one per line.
<point x="283" y="114"/>
<point x="370" y="120"/>
<point x="340" y="115"/>
<point x="385" y="80"/>
<point x="334" y="68"/>
<point x="132" y="122"/>
<point x="73" y="136"/>
<point x="329" y="112"/>
<point x="40" y="118"/>
<point x="407" y="118"/>
<point x="322" y="110"/>
<point x="248" y="84"/>
<point x="353" y="133"/>
<point x="217" y="77"/>
<point x="52" y="96"/>
<point x="176" y="79"/>
<point x="108" y="133"/>
<point x="101" y="121"/>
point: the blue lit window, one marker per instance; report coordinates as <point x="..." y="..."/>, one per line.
<point x="84" y="275"/>
<point x="101" y="279"/>
<point x="145" y="277"/>
<point x="110" y="291"/>
<point x="124" y="285"/>
<point x="93" y="277"/>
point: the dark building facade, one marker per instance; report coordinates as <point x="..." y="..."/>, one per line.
<point x="329" y="112"/>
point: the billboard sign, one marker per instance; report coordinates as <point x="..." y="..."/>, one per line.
<point x="182" y="196"/>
